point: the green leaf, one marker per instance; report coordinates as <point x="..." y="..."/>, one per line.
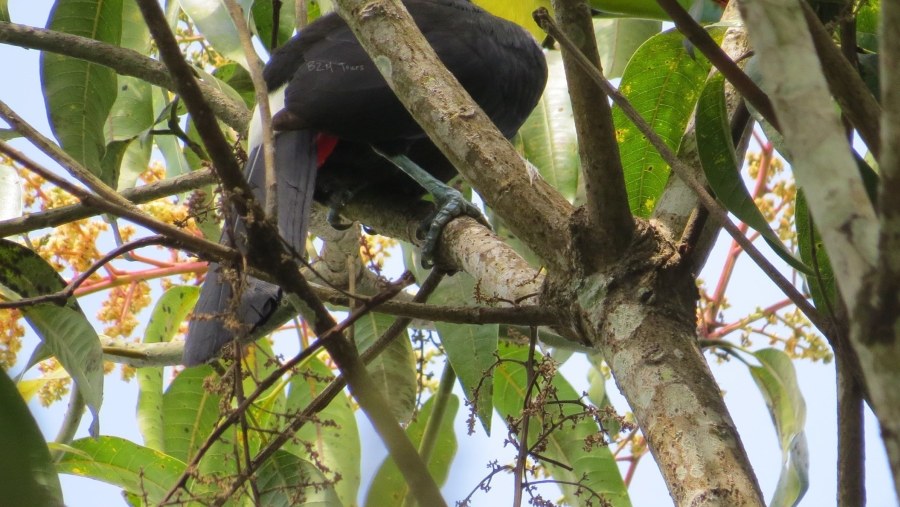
<point x="238" y="79"/>
<point x="135" y="34"/>
<point x="169" y="312"/>
<point x="287" y="480"/>
<point x="663" y="82"/>
<point x="263" y="20"/>
<point x="78" y="94"/>
<point x="189" y="413"/>
<point x="547" y="139"/>
<point x="777" y="381"/>
<point x="389" y="487"/>
<point x="64" y="330"/>
<point x="134" y="468"/>
<point x="394" y="370"/>
<point x="212" y="19"/>
<point x="135" y="161"/>
<point x="822" y="284"/>
<point x="645" y="9"/>
<point x="596" y="469"/>
<point x="4" y="11"/>
<point x="618" y="39"/>
<point x="721" y="167"/>
<point x="332" y="435"/>
<point x="867" y="25"/>
<point x="132" y="113"/>
<point x="29" y="477"/>
<point x="470" y="349"/>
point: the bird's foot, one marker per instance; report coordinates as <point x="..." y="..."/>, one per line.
<point x="451" y="204"/>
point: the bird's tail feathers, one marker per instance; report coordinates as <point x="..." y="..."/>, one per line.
<point x="218" y="319"/>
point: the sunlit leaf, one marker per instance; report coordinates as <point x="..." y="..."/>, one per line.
<point x="169" y="312"/>
<point x="470" y="348"/>
<point x="663" y="82"/>
<point x="79" y="94"/>
<point x="212" y="19"/>
<point x="134" y="468"/>
<point x="720" y="164"/>
<point x="777" y="381"/>
<point x="64" y="330"/>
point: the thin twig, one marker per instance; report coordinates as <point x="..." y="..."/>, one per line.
<point x="69" y="290"/>
<point x="137" y="195"/>
<point x="337" y="385"/>
<point x="129" y="210"/>
<point x="521" y="467"/>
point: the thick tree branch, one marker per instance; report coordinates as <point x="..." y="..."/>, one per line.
<point x="458" y="126"/>
<point x="845" y="83"/>
<point x="609" y="220"/>
<point x="876" y="321"/>
<point x="126" y="62"/>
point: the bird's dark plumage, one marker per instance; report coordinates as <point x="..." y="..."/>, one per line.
<point x="333" y="91"/>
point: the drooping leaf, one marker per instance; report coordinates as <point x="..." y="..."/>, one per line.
<point x="135" y="160"/>
<point x="29" y="477"/>
<point x="389" y="487"/>
<point x="394" y="370"/>
<point x="596" y="468"/>
<point x="212" y="19"/>
<point x="64" y="330"/>
<point x="470" y="348"/>
<point x="285" y="480"/>
<point x="169" y="312"/>
<point x="547" y="139"/>
<point x="134" y="468"/>
<point x="189" y="414"/>
<point x="663" y="82"/>
<point x="132" y="112"/>
<point x="79" y="94"/>
<point x="720" y="164"/>
<point x="618" y="39"/>
<point x="333" y="435"/>
<point x="777" y="381"/>
<point x="263" y="20"/>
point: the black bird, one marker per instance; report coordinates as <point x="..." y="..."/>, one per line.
<point x="337" y="110"/>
